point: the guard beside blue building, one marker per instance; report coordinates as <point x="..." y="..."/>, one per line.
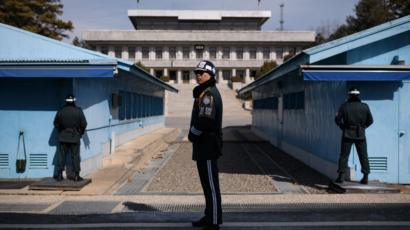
<point x="353" y="118"/>
<point x="70" y="123"/>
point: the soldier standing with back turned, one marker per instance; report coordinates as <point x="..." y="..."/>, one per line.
<point x="353" y="118"/>
<point x="206" y="136"/>
<point x="70" y="123"/>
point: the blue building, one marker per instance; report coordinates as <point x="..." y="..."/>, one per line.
<point x="295" y="103"/>
<point x="120" y="101"/>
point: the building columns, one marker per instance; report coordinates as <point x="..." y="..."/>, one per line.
<point x="220" y="77"/>
<point x="124" y="53"/>
<point x="111" y="51"/>
<point x="233" y="72"/>
<point x="247" y="75"/>
<point x="138" y="53"/>
<point x="179" y="76"/>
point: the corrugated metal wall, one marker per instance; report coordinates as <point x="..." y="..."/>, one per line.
<point x="31" y="104"/>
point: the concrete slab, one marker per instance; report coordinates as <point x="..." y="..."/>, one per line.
<point x="26" y="191"/>
<point x="50" y="183"/>
<point x="84" y="207"/>
<point x="14" y="184"/>
<point x="356" y="187"/>
<point x="18" y="207"/>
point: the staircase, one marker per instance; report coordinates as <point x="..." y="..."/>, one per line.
<point x="179" y="106"/>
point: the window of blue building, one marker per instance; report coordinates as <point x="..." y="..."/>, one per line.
<point x="121" y="108"/>
<point x="294" y="100"/>
<point x="135" y="105"/>
<point x="128" y="106"/>
<point x="270" y="103"/>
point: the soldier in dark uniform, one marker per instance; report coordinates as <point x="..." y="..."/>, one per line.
<point x="206" y="136"/>
<point x="353" y="118"/>
<point x="70" y="123"/>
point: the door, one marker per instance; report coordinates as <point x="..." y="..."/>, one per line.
<point x="404" y="133"/>
<point x="185" y="77"/>
<point x="382" y="135"/>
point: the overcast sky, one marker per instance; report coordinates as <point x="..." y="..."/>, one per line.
<point x="298" y="14"/>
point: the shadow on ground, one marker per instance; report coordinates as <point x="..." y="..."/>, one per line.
<point x="246" y="153"/>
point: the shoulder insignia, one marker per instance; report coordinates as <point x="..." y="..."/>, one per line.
<point x="206" y="100"/>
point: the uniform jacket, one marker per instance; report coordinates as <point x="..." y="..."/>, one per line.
<point x="70" y="123"/>
<point x="353" y="118"/>
<point x="206" y="122"/>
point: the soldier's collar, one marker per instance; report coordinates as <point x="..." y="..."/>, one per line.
<point x="202" y="87"/>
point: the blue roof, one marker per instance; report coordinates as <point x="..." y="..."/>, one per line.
<point x="358" y="39"/>
<point x="23" y="54"/>
<point x="333" y="48"/>
<point x="18" y="45"/>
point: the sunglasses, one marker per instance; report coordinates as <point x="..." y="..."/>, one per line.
<point x="200" y="72"/>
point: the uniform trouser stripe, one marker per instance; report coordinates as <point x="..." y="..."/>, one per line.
<point x="214" y="199"/>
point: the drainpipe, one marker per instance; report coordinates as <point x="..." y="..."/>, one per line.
<point x="111" y="135"/>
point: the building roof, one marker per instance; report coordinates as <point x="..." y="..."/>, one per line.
<point x="26" y="54"/>
<point x="333" y="48"/>
<point x="197" y="15"/>
<point x="201" y="14"/>
<point x="197" y="19"/>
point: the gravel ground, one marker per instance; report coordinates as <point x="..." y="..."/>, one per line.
<point x="236" y="173"/>
<point x="248" y="165"/>
<point x="304" y="176"/>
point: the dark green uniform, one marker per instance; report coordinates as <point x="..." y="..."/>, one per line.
<point x="206" y="137"/>
<point x="353" y="118"/>
<point x="207" y="119"/>
<point x="70" y="123"/>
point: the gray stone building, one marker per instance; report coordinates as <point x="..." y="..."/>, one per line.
<point x="171" y="42"/>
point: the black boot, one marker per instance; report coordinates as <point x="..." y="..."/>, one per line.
<point x="200" y="223"/>
<point x="77" y="177"/>
<point x="365" y="179"/>
<point x="341" y="178"/>
<point x="58" y="176"/>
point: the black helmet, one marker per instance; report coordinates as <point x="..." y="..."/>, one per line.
<point x="70" y="98"/>
<point x="206" y="66"/>
<point x="354" y="91"/>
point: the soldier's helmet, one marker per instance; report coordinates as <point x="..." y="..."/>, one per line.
<point x="70" y="98"/>
<point x="205" y="66"/>
<point x="354" y="91"/>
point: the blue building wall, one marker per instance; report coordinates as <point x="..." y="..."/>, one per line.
<point x="31" y="104"/>
<point x="310" y="133"/>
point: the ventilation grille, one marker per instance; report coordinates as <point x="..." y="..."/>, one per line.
<point x="4" y="160"/>
<point x="378" y="164"/>
<point x="38" y="161"/>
